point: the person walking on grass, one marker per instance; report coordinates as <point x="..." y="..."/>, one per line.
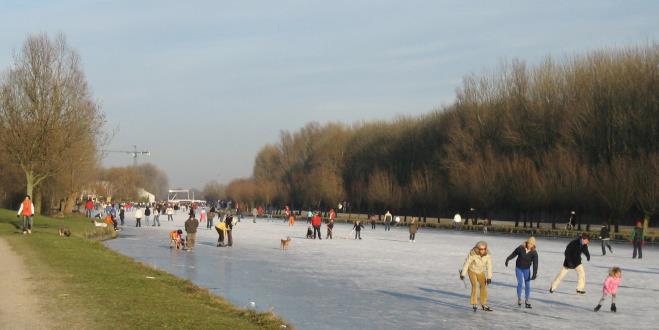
<point x="26" y="211"/>
<point x="605" y="236"/>
<point x="573" y="253"/>
<point x="527" y="256"/>
<point x="138" y="217"/>
<point x="478" y="261"/>
<point x="414" y="226"/>
<point x="387" y="221"/>
<point x="191" y="226"/>
<point x="610" y="287"/>
<point x="637" y="240"/>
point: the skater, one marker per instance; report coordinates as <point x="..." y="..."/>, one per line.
<point x="526" y="255"/>
<point x="221" y="229"/>
<point x="170" y="213"/>
<point x="138" y="217"/>
<point x="122" y="214"/>
<point x="228" y="222"/>
<point x="358" y="229"/>
<point x="316" y="222"/>
<point x="637" y="240"/>
<point x="387" y="221"/>
<point x="202" y="215"/>
<point x="477" y="262"/>
<point x="414" y="225"/>
<point x="176" y="239"/>
<point x="573" y="253"/>
<point x="332" y="215"/>
<point x="605" y="236"/>
<point x="572" y="221"/>
<point x="255" y="212"/>
<point x="26" y="210"/>
<point x="156" y="217"/>
<point x="291" y="220"/>
<point x="147" y="213"/>
<point x="373" y="222"/>
<point x="610" y="288"/>
<point x="330" y="228"/>
<point x="191" y="226"/>
<point x="310" y="232"/>
<point x="457" y="221"/>
<point x="309" y="216"/>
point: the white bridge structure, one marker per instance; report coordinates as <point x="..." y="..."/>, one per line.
<point x="182" y="196"/>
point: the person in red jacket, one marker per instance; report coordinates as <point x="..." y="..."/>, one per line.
<point x="89" y="205"/>
<point x="316" y="221"/>
<point x="26" y="211"/>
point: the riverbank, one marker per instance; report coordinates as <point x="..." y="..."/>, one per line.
<point x="85" y="285"/>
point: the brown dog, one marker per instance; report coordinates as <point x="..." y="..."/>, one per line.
<point x="64" y="231"/>
<point x="285" y="243"/>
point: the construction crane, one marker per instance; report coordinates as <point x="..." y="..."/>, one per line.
<point x="133" y="153"/>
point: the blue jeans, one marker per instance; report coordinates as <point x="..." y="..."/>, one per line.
<point x="523" y="278"/>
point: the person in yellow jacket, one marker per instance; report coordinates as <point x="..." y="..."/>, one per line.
<point x="221" y="229"/>
<point x="478" y="261"/>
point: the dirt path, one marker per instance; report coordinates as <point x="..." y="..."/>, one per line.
<point x="19" y="304"/>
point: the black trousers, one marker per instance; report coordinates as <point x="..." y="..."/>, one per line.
<point x="358" y="234"/>
<point x="606" y="243"/>
<point x="316" y="230"/>
<point x="372" y="225"/>
<point x="138" y="222"/>
<point x="387" y="226"/>
<point x="638" y="246"/>
<point x="412" y="236"/>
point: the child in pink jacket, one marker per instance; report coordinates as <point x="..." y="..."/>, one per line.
<point x="611" y="288"/>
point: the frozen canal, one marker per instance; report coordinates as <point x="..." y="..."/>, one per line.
<point x="385" y="282"/>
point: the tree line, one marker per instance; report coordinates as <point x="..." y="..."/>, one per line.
<point x="52" y="130"/>
<point x="524" y="143"/>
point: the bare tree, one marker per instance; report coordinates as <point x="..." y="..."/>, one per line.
<point x="45" y="108"/>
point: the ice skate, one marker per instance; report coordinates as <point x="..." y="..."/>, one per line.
<point x="581" y="292"/>
<point x="486" y="308"/>
<point x="597" y="308"/>
<point x="527" y="305"/>
<point x="475" y="308"/>
<point x="613" y="308"/>
<point x="519" y="302"/>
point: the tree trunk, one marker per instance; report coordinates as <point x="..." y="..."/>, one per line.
<point x="70" y="203"/>
<point x="37" y="202"/>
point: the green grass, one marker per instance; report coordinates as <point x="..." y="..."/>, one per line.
<point x="83" y="284"/>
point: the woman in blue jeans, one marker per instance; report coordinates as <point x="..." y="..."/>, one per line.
<point x="526" y="256"/>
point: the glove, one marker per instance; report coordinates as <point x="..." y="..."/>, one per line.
<point x="533" y="277"/>
<point x="18" y="216"/>
<point x="488" y="281"/>
<point x="462" y="278"/>
<point x="506" y="263"/>
<point x="588" y="259"/>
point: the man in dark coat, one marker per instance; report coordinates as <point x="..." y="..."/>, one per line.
<point x="191" y="230"/>
<point x="573" y="253"/>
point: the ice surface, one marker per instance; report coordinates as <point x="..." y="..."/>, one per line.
<point x="386" y="282"/>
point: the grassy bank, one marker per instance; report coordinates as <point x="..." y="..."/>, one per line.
<point x="86" y="285"/>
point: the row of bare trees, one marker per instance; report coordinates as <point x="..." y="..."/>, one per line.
<point x="51" y="130"/>
<point x="522" y="142"/>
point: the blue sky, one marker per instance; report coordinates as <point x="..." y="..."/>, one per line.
<point x="204" y="84"/>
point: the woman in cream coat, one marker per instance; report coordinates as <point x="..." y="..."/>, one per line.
<point x="478" y="261"/>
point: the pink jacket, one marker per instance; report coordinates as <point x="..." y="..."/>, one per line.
<point x="611" y="285"/>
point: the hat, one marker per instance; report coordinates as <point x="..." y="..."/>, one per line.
<point x="572" y="212"/>
<point x="531" y="240"/>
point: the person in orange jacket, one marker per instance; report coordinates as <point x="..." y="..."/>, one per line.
<point x="26" y="211"/>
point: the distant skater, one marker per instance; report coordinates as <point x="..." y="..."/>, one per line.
<point x="357" y="227"/>
<point x="147" y="214"/>
<point x="316" y="222"/>
<point x="610" y="287"/>
<point x="191" y="226"/>
<point x="330" y="229"/>
<point x="527" y="256"/>
<point x="373" y="222"/>
<point x="573" y="253"/>
<point x="477" y="262"/>
<point x="387" y="221"/>
<point x="605" y="236"/>
<point x="122" y="214"/>
<point x="138" y="217"/>
<point x="291" y="220"/>
<point x="414" y="226"/>
<point x="637" y="240"/>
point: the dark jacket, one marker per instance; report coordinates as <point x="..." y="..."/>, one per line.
<point x="191" y="226"/>
<point x="147" y="212"/>
<point x="524" y="259"/>
<point x="358" y="227"/>
<point x="604" y="233"/>
<point x="573" y="253"/>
